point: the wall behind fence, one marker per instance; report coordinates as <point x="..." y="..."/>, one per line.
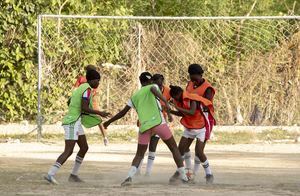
<point x="253" y="64"/>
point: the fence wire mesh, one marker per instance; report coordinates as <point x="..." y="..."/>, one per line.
<point x="254" y="64"/>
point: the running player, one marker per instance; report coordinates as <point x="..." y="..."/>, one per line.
<point x="81" y="101"/>
<point x="165" y="90"/>
<point x="81" y="80"/>
<point x="152" y="121"/>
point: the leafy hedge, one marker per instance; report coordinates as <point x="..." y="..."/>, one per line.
<point x="18" y="40"/>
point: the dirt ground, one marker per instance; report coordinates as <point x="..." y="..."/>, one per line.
<point x="249" y="169"/>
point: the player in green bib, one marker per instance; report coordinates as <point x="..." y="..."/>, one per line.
<point x="147" y="105"/>
<point x="80" y="113"/>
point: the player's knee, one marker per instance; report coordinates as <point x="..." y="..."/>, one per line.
<point x="68" y="152"/>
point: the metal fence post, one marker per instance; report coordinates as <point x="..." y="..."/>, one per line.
<point x="139" y="58"/>
<point x="39" y="114"/>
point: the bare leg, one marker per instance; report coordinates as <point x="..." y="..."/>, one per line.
<point x="69" y="146"/>
<point x="141" y="149"/>
<point x="184" y="148"/>
<point x="175" y="151"/>
<point x="153" y="143"/>
<point x="199" y="151"/>
<point x="83" y="148"/>
<point x="180" y="172"/>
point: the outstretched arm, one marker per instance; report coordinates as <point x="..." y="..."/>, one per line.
<point x="117" y="116"/>
<point x="85" y="108"/>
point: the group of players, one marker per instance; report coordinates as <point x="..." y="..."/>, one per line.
<point x="155" y="104"/>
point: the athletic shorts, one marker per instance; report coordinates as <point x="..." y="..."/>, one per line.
<point x="195" y="133"/>
<point x="162" y="130"/>
<point x="73" y="130"/>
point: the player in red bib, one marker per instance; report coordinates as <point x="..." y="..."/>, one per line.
<point x="200" y="86"/>
<point x="190" y="107"/>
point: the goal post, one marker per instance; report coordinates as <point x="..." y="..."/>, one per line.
<point x="252" y="61"/>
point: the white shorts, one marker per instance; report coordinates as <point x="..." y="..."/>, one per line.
<point x="73" y="130"/>
<point x="194" y="133"/>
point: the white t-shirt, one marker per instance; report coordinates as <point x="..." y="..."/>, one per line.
<point x="130" y="104"/>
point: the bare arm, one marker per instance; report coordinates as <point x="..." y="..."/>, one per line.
<point x="102" y="130"/>
<point x="176" y="113"/>
<point x="208" y="94"/>
<point x="117" y="116"/>
<point x="191" y="111"/>
<point x="156" y="93"/>
<point x="85" y="108"/>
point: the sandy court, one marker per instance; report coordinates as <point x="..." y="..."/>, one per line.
<point x="250" y="169"/>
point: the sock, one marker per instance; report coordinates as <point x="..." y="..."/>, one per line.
<point x="132" y="171"/>
<point x="77" y="164"/>
<point x="206" y="167"/>
<point x="197" y="164"/>
<point x="54" y="168"/>
<point x="182" y="173"/>
<point x="151" y="157"/>
<point x="188" y="160"/>
<point x="140" y="166"/>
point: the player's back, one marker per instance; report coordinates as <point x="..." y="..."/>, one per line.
<point x="147" y="107"/>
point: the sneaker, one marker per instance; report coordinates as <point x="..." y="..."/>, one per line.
<point x="127" y="182"/>
<point x="74" y="178"/>
<point x="209" y="178"/>
<point x="185" y="179"/>
<point x="50" y="179"/>
<point x="175" y="177"/>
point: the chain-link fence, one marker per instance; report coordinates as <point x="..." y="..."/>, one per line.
<point x="253" y="62"/>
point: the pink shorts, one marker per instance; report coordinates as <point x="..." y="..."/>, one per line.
<point x="163" y="131"/>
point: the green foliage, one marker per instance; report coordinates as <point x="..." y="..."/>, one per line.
<point x="18" y="56"/>
<point x="17" y="60"/>
<point x="18" y="40"/>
